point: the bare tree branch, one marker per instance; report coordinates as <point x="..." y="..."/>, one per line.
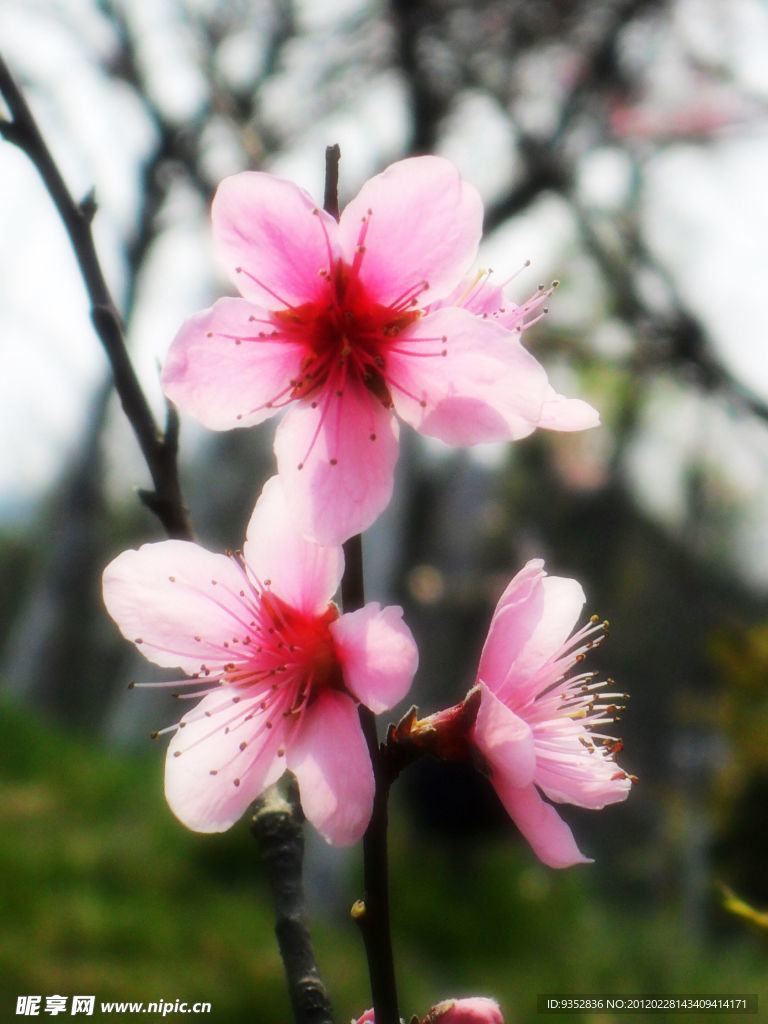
<point x="277" y="825"/>
<point x="159" y="449"/>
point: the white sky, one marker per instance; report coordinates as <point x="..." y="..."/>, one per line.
<point x="705" y="210"/>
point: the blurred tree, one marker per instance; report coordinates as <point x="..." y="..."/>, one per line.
<point x="545" y="91"/>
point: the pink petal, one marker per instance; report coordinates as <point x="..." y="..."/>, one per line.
<point x="505" y="740"/>
<point x="472" y="1010"/>
<point x="330" y="759"/>
<point x="476" y="293"/>
<point x="303" y="574"/>
<point x="331" y="501"/>
<point x="218" y="370"/>
<point x="568" y="772"/>
<point x="534" y="617"/>
<point x="424" y="224"/>
<point x="485" y="388"/>
<point x="209" y="780"/>
<point x="562" y="603"/>
<point x="561" y="413"/>
<point x="378" y="655"/>
<point x="516" y="616"/>
<point x="273" y="231"/>
<point x="177" y="602"/>
<point x="550" y="837"/>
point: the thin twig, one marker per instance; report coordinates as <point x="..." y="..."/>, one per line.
<point x="331" y="193"/>
<point x="277" y="825"/>
<point x="372" y="913"/>
<point x="159" y="449"/>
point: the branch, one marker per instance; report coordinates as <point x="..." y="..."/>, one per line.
<point x="277" y="825"/>
<point x="372" y="914"/>
<point x="159" y="450"/>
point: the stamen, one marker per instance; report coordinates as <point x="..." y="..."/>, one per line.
<point x="328" y="247"/>
<point x="248" y="274"/>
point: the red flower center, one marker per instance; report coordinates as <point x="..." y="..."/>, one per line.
<point x="347" y="337"/>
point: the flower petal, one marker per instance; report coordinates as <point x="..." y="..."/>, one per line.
<point x="518" y="611"/>
<point x="561" y="413"/>
<point x="505" y="740"/>
<point x="533" y="619"/>
<point x="210" y="777"/>
<point x="465" y="380"/>
<point x="572" y="769"/>
<point x="177" y="602"/>
<point x="423" y="223"/>
<point x="336" y="463"/>
<point x="303" y="574"/>
<point x="330" y="758"/>
<point x="550" y="837"/>
<point x="562" y="600"/>
<point x="273" y="231"/>
<point x="378" y="655"/>
<point x="221" y="372"/>
<point x="471" y="1010"/>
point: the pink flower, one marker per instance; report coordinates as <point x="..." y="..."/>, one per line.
<point x="279" y="671"/>
<point x="474" y="1010"/>
<point x="489" y="302"/>
<point x="346" y="324"/>
<point x="537" y="728"/>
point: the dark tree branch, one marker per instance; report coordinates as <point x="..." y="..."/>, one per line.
<point x="372" y="912"/>
<point x="331" y="192"/>
<point x="429" y="103"/>
<point x="159" y="450"/>
<point x="277" y="825"/>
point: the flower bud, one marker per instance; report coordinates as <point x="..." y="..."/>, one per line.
<point x="475" y="1010"/>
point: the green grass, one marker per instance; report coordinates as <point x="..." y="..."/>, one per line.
<point x="104" y="893"/>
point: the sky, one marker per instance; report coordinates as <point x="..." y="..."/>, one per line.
<point x="704" y="209"/>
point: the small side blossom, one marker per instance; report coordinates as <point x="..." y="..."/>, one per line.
<point x="473" y="1010"/>
<point x="488" y="301"/>
<point x="277" y="670"/>
<point x="530" y="725"/>
<point x="349" y="325"/>
<point x="539" y="728"/>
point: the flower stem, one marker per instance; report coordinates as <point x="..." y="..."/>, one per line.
<point x="372" y="915"/>
<point x="372" y="912"/>
<point x="331" y="195"/>
<point x="277" y="825"/>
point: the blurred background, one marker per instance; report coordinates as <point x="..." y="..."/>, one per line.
<point x="622" y="148"/>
